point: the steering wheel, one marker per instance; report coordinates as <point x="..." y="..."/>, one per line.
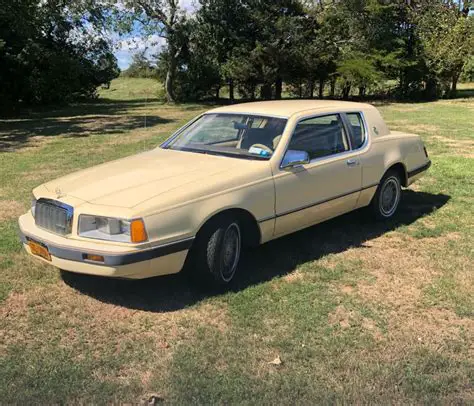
<point x="261" y="146"/>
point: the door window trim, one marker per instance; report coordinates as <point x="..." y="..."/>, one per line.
<point x="347" y="133"/>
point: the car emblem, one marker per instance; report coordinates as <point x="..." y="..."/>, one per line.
<point x="59" y="193"/>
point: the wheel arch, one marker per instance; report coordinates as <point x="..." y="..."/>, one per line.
<point x="249" y="226"/>
<point x="400" y="168"/>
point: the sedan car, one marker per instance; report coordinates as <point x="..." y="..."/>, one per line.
<point x="233" y="177"/>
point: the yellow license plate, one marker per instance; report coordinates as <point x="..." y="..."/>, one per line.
<point x="39" y="249"/>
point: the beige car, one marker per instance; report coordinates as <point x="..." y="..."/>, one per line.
<point x="235" y="176"/>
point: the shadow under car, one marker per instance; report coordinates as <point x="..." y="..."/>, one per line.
<point x="274" y="259"/>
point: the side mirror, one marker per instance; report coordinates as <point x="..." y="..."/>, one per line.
<point x="293" y="158"/>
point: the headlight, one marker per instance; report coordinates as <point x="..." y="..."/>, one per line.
<point x="112" y="229"/>
<point x="33" y="206"/>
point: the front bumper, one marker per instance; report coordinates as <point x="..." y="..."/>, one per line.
<point x="119" y="261"/>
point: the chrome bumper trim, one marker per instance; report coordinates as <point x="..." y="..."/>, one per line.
<point x="72" y="254"/>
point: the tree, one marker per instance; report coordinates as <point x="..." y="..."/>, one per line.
<point x="52" y="52"/>
<point x="258" y="45"/>
<point x="197" y="75"/>
<point x="357" y="70"/>
<point x="140" y="67"/>
<point x="161" y="17"/>
<point x="447" y="40"/>
<point x="468" y="70"/>
<point x="224" y="30"/>
<point x="265" y="57"/>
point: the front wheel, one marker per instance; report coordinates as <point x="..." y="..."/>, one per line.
<point x="218" y="249"/>
<point x="387" y="197"/>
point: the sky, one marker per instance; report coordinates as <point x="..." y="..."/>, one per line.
<point x="136" y="42"/>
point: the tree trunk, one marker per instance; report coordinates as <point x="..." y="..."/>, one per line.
<point x="362" y="90"/>
<point x="311" y="89"/>
<point x="300" y="90"/>
<point x="169" y="86"/>
<point x="346" y="90"/>
<point x="218" y="93"/>
<point x="170" y="76"/>
<point x="454" y="85"/>
<point x="401" y="83"/>
<point x="252" y="92"/>
<point x="231" y="90"/>
<point x="321" y="88"/>
<point x="278" y="88"/>
<point x="266" y="91"/>
<point x="431" y="89"/>
<point x="333" y="88"/>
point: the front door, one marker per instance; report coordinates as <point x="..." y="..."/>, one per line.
<point x="325" y="187"/>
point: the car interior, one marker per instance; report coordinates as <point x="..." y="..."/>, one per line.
<point x="319" y="138"/>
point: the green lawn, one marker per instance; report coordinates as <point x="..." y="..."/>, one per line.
<point x="357" y="312"/>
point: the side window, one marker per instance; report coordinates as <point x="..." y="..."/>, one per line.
<point x="358" y="129"/>
<point x="320" y="136"/>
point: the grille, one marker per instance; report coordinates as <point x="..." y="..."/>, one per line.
<point x="53" y="216"/>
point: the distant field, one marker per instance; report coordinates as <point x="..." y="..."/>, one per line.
<point x="357" y="312"/>
<point x="133" y="89"/>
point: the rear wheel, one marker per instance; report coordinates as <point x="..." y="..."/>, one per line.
<point x="217" y="251"/>
<point x="387" y="197"/>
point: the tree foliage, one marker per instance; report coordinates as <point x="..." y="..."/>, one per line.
<point x="355" y="46"/>
<point x="259" y="48"/>
<point x="161" y="17"/>
<point x="141" y="67"/>
<point x="447" y="40"/>
<point x="50" y="52"/>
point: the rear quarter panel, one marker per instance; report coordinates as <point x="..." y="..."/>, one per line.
<point x="388" y="150"/>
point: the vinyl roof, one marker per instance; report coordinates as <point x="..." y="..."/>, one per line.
<point x="287" y="108"/>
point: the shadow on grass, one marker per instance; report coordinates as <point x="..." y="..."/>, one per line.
<point x="274" y="259"/>
<point x="81" y="120"/>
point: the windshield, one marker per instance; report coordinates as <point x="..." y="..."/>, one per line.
<point x="239" y="135"/>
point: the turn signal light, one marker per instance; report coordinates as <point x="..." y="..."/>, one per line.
<point x="95" y="258"/>
<point x="137" y="231"/>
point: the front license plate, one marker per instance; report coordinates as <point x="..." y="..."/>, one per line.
<point x="39" y="249"/>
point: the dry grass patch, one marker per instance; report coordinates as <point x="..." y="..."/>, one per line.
<point x="422" y="128"/>
<point x="294" y="276"/>
<point x="141" y="342"/>
<point x="98" y="325"/>
<point x="41" y="173"/>
<point x="461" y="147"/>
<point x="347" y="289"/>
<point x="10" y="209"/>
<point x="341" y="317"/>
<point x="406" y="108"/>
<point x="400" y="275"/>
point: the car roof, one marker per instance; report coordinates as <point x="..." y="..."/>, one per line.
<point x="287" y="108"/>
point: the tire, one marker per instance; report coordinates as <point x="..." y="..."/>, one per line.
<point x="218" y="250"/>
<point x="387" y="197"/>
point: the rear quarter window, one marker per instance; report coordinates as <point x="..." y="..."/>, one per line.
<point x="358" y="129"/>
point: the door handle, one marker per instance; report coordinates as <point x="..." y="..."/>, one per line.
<point x="352" y="162"/>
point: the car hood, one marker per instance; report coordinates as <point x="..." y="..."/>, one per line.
<point x="130" y="181"/>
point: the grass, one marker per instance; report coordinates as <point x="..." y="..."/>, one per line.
<point x="357" y="312"/>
